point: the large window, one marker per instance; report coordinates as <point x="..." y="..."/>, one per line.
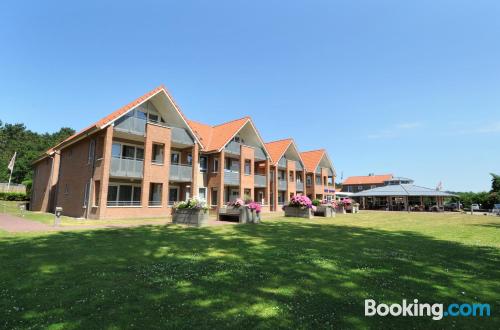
<point x="127" y="151"/>
<point x="173" y="195"/>
<point x="318" y="179"/>
<point x="232" y="165"/>
<point x="309" y="180"/>
<point x="248" y="166"/>
<point x="202" y="193"/>
<point x="189" y="159"/>
<point x="282" y="175"/>
<point x="155" y="193"/>
<point x="158" y="154"/>
<point x="203" y="163"/>
<point x="175" y="158"/>
<point x="124" y="194"/>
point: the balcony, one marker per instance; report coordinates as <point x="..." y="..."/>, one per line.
<point x="298" y="166"/>
<point x="181" y="173"/>
<point x="231" y="178"/>
<point x="299" y="186"/>
<point x="131" y="125"/>
<point x="260" y="180"/>
<point x="282" y="162"/>
<point x="181" y="136"/>
<point x="282" y="184"/>
<point x="126" y="167"/>
<point x="235" y="149"/>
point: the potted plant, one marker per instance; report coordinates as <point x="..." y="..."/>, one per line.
<point x="325" y="209"/>
<point x="193" y="211"/>
<point x="299" y="206"/>
<point x="246" y="212"/>
<point x="344" y="205"/>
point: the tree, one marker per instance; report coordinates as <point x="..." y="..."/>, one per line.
<point x="495" y="183"/>
<point x="29" y="146"/>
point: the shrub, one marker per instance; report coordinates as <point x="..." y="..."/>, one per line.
<point x="29" y="185"/>
<point x="316" y="202"/>
<point x="13" y="196"/>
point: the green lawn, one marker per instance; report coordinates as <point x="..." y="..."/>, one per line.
<point x="283" y="273"/>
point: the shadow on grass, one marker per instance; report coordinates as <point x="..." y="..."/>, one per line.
<point x="274" y="275"/>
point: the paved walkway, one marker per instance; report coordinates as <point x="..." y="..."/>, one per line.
<point x="13" y="224"/>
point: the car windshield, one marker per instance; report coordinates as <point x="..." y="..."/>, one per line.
<point x="497" y="206"/>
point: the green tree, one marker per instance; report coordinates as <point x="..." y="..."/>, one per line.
<point x="495" y="182"/>
<point x="29" y="146"/>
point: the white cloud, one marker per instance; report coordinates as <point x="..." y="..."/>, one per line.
<point x="395" y="131"/>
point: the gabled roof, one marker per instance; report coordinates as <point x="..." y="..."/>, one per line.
<point x="401" y="190"/>
<point x="117" y="114"/>
<point x="278" y="148"/>
<point x="312" y="158"/>
<point x="215" y="138"/>
<point x="367" y="179"/>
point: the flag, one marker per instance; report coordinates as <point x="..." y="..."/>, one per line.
<point x="12" y="161"/>
<point x="439" y="186"/>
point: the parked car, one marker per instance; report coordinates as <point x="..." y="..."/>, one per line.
<point x="496" y="209"/>
<point x="475" y="207"/>
<point x="452" y="206"/>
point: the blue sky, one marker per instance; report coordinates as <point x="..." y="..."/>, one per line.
<point x="403" y="87"/>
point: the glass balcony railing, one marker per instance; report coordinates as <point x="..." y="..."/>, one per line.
<point x="299" y="186"/>
<point x="231" y="177"/>
<point x="282" y="184"/>
<point x="181" y="173"/>
<point x="260" y="180"/>
<point x="126" y="167"/>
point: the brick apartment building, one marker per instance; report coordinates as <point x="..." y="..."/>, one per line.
<point x="142" y="158"/>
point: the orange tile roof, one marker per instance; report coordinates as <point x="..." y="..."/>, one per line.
<point x="109" y="118"/>
<point x="276" y="149"/>
<point x="367" y="179"/>
<point x="216" y="137"/>
<point x="312" y="158"/>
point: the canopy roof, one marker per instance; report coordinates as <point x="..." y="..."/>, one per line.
<point x="402" y="190"/>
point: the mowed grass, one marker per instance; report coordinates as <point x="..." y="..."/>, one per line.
<point x="283" y="273"/>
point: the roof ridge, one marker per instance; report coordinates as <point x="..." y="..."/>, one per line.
<point x="231" y="121"/>
<point x="322" y="149"/>
<point x="281" y="140"/>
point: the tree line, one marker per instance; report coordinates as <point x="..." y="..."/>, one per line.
<point x="485" y="198"/>
<point x="29" y="146"/>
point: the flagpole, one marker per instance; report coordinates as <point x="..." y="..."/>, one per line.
<point x="11" y="168"/>
<point x="8" y="184"/>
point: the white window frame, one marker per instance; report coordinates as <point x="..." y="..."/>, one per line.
<point x="116" y="184"/>
<point x="206" y="192"/>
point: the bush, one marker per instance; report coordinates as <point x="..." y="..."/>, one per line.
<point x="316" y="202"/>
<point x="29" y="185"/>
<point x="12" y="196"/>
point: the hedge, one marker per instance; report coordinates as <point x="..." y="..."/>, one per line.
<point x="13" y="196"/>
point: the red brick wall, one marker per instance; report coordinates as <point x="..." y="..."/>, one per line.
<point x="45" y="184"/>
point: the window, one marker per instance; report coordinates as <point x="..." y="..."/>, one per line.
<point x="203" y="163"/>
<point x="90" y="156"/>
<point x="248" y="167"/>
<point x="202" y="193"/>
<point x="157" y="155"/>
<point x="97" y="192"/>
<point x="175" y="157"/>
<point x="260" y="197"/>
<point x="281" y="175"/>
<point x="232" y="165"/>
<point x="86" y="195"/>
<point x="124" y="195"/>
<point x="308" y="180"/>
<point x="189" y="159"/>
<point x="360" y="188"/>
<point x="330" y="180"/>
<point x="290" y="175"/>
<point x="318" y="179"/>
<point x="119" y="150"/>
<point x="216" y="165"/>
<point x="214" y="196"/>
<point x="155" y="192"/>
<point x="173" y="195"/>
<point x="153" y="118"/>
<point x="281" y="197"/>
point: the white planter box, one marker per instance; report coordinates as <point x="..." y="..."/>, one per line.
<point x="297" y="212"/>
<point x="243" y="213"/>
<point x="190" y="217"/>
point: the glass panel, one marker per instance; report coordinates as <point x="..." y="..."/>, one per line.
<point x="190" y="159"/>
<point x="202" y="193"/>
<point x="128" y="152"/>
<point x="125" y="194"/>
<point x="203" y="163"/>
<point x="153" y="117"/>
<point x="139" y="153"/>
<point x="141" y="114"/>
<point x="172" y="194"/>
<point x="155" y="192"/>
<point x="174" y="158"/>
<point x="157" y="153"/>
<point x="112" y="193"/>
<point x="116" y="150"/>
<point x="137" y="194"/>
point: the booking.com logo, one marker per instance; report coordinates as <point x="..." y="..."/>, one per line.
<point x="437" y="311"/>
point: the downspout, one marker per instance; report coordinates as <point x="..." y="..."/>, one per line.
<point x="89" y="197"/>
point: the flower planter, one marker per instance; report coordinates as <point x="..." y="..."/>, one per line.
<point x="243" y="213"/>
<point x="342" y="209"/>
<point x="326" y="211"/>
<point x="297" y="212"/>
<point x="192" y="217"/>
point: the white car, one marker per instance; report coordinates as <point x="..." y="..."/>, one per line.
<point x="475" y="207"/>
<point x="496" y="209"/>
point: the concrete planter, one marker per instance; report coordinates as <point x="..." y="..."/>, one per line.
<point x="243" y="213"/>
<point x="326" y="211"/>
<point x="342" y="209"/>
<point x="192" y="217"/>
<point x="297" y="212"/>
